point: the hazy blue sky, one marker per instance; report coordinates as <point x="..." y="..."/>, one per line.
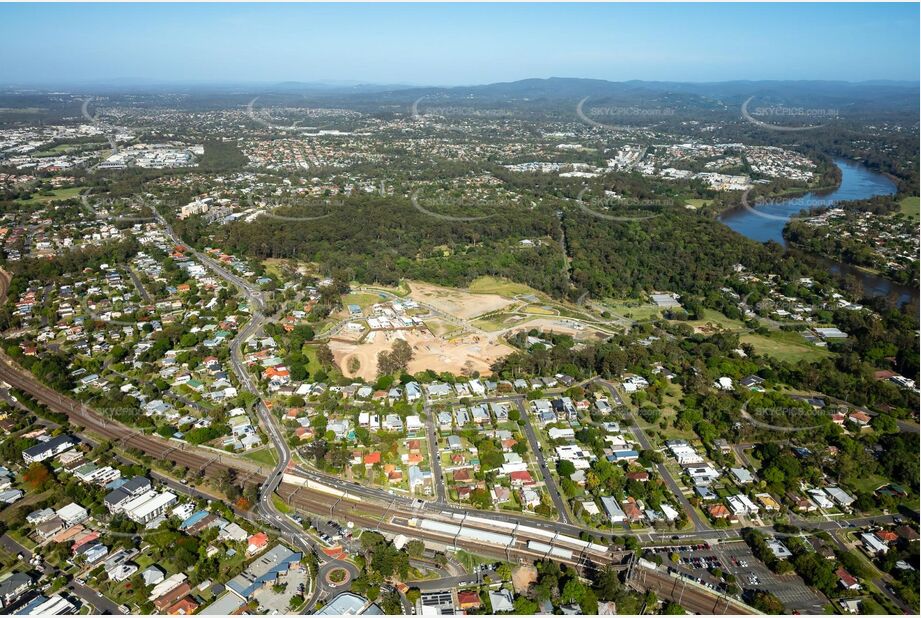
<point x="457" y="44"/>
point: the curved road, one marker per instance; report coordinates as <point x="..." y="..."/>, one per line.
<point x="289" y="529"/>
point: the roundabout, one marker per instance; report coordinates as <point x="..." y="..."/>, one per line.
<point x="336" y="576"/>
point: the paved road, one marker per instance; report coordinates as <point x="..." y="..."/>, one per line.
<point x="549" y="481"/>
<point x="673" y="485"/>
<point x="438" y="477"/>
<point x="438" y="480"/>
<point x="11" y="545"/>
<point x="289" y="530"/>
<point x="880" y="580"/>
<point x="100" y="603"/>
<point x="140" y="286"/>
<point x="451" y="582"/>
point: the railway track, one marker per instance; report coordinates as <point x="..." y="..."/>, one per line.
<point x="398" y="519"/>
<point x="198" y="460"/>
<point x="689" y="595"/>
<point x="366" y="513"/>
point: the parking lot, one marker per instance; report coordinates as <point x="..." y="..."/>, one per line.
<point x="277" y="600"/>
<point x="750" y="573"/>
<point x="328" y="531"/>
<point x="790" y="589"/>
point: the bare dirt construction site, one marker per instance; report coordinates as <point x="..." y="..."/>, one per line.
<point x="459" y="355"/>
<point x="447" y="342"/>
<point x="458" y="303"/>
<point x="463" y="330"/>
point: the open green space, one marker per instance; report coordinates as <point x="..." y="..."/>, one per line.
<point x="280" y="505"/>
<point x="51" y="196"/>
<point x="273" y="267"/>
<point x="498" y="321"/>
<point x="910" y="206"/>
<point x="313" y="363"/>
<point x="63" y="148"/>
<point x="262" y="455"/>
<point x="471" y="561"/>
<point x="502" y="287"/>
<point x="715" y="318"/>
<point x="362" y="299"/>
<point x="785" y="346"/>
<point x="441" y="328"/>
<point x="633" y="309"/>
<point x="540" y="310"/>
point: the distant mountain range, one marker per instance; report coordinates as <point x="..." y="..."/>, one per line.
<point x="869" y="96"/>
<point x="558" y="89"/>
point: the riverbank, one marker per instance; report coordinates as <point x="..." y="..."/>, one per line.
<point x="858" y="269"/>
<point x="766" y="222"/>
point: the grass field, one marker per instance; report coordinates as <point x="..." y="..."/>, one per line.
<point x="56" y="194"/>
<point x="869" y="483"/>
<point x="313" y="363"/>
<point x="471" y="561"/>
<point x="497" y="321"/>
<point x="785" y="346"/>
<point x="711" y="316"/>
<point x="9" y="514"/>
<point x="715" y="320"/>
<point x="22" y="110"/>
<point x="263" y="456"/>
<point x="402" y="290"/>
<point x="502" y="287"/>
<point x="273" y="266"/>
<point x="362" y="299"/>
<point x="697" y="203"/>
<point x="633" y="309"/>
<point x="540" y="310"/>
<point x="911" y="206"/>
<point x="62" y="148"/>
<point x="280" y="504"/>
<point x="53" y="151"/>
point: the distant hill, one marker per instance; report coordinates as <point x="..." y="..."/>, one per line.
<point x="869" y="98"/>
<point x="733" y="92"/>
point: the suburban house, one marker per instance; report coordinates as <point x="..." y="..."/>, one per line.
<point x="51" y="448"/>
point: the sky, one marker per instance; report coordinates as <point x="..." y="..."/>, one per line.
<point x="455" y="44"/>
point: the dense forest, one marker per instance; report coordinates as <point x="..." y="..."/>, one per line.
<point x="374" y="239"/>
<point x="673" y="251"/>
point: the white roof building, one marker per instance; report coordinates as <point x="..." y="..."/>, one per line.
<point x="742" y="505"/>
<point x="873" y="544"/>
<point x="72" y="514"/>
<point x="670" y="513"/>
<point x="840" y="496"/>
<point x="153" y="507"/>
<point x="613" y="510"/>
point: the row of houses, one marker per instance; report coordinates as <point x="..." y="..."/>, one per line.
<point x="479" y="415"/>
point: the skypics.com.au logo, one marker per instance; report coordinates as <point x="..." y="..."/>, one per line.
<point x="604" y="207"/>
<point x="425" y="205"/>
<point x="263" y="118"/>
<point x="775" y="116"/>
<point x="420" y="111"/>
<point x="785" y="419"/>
<point x="283" y="209"/>
<point x="793" y="205"/>
<point x="609" y="116"/>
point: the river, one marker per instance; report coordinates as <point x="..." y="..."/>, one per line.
<point x="857" y="183"/>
